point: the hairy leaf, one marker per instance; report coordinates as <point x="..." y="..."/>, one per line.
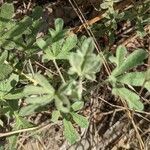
<point x="133" y="78"/>
<point x="77" y="105"/>
<point x="69" y="132"/>
<point x="28" y="110"/>
<point x="6" y="14"/>
<point x="39" y="100"/>
<point x="132" y="99"/>
<point x="5" y="70"/>
<point x="59" y="23"/>
<point x="120" y="55"/>
<point x="84" y="62"/>
<point x="3" y="56"/>
<point x="44" y="83"/>
<point x="62" y="103"/>
<point x="41" y="43"/>
<point x="131" y="61"/>
<point x="34" y="90"/>
<point x="80" y="120"/>
<point x="55" y="115"/>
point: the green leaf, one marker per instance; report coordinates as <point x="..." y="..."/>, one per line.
<point x="19" y="28"/>
<point x="84" y="62"/>
<point x="37" y="13"/>
<point x="133" y="78"/>
<point x="28" y="110"/>
<point x="112" y="59"/>
<point x="3" y="56"/>
<point x="41" y="43"/>
<point x="77" y="105"/>
<point x="8" y="84"/>
<point x="69" y="132"/>
<point x="120" y="55"/>
<point x="5" y="70"/>
<point x="39" y="100"/>
<point x="147" y="84"/>
<point x="7" y="11"/>
<point x="59" y="49"/>
<point x="80" y="120"/>
<point x="67" y="45"/>
<point x="132" y="99"/>
<point x="131" y="61"/>
<point x="16" y="94"/>
<point x="62" y="103"/>
<point x="55" y="115"/>
<point x="104" y="5"/>
<point x="33" y="90"/>
<point x="59" y="23"/>
<point x="44" y="83"/>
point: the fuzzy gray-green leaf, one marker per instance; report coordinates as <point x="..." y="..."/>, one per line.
<point x="3" y="56"/>
<point x="77" y="105"/>
<point x="132" y="99"/>
<point x="39" y="100"/>
<point x="28" y="110"/>
<point x="120" y="55"/>
<point x="80" y="120"/>
<point x="5" y="70"/>
<point x="133" y="78"/>
<point x="34" y="90"/>
<point x="59" y="23"/>
<point x="55" y="115"/>
<point x="44" y="83"/>
<point x="131" y="61"/>
<point x="69" y="132"/>
<point x="7" y="11"/>
<point x="84" y="62"/>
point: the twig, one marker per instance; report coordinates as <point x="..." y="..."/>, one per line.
<point x="39" y="128"/>
<point x="61" y="76"/>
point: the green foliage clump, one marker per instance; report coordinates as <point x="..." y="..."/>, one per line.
<point x="26" y="91"/>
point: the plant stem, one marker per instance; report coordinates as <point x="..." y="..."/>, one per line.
<point x="61" y="76"/>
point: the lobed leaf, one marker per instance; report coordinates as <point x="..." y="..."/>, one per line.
<point x="84" y="62"/>
<point x="135" y="79"/>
